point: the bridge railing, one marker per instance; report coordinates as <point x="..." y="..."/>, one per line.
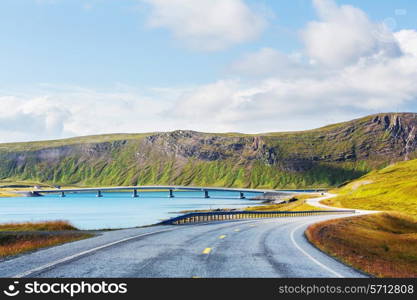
<point x="198" y="217"/>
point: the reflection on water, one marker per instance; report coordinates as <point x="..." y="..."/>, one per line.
<point x="114" y="210"/>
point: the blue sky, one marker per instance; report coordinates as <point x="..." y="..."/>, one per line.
<point x="97" y="43"/>
<point x="58" y="55"/>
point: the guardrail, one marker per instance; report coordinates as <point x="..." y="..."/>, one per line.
<point x="237" y="215"/>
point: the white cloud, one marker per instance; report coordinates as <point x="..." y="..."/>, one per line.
<point x="277" y="103"/>
<point x="407" y="40"/>
<point x="271" y="62"/>
<point x="56" y="112"/>
<point x="27" y="119"/>
<point x="207" y="25"/>
<point x="344" y="34"/>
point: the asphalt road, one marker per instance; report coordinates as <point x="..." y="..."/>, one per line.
<point x="248" y="248"/>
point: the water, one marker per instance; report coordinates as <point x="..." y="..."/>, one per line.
<point x="114" y="210"/>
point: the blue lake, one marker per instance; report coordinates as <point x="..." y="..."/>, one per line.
<point x="114" y="210"/>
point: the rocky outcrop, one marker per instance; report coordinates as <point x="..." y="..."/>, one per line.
<point x="209" y="147"/>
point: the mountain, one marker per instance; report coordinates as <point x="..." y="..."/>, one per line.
<point x="322" y="157"/>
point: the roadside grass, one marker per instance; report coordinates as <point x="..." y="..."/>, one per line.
<point x="307" y="196"/>
<point x="298" y="203"/>
<point x="390" y="189"/>
<point x="38" y="226"/>
<point x="14" y="244"/>
<point x="306" y="207"/>
<point x="17" y="238"/>
<point x="383" y="244"/>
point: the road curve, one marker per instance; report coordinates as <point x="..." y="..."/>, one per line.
<point x="248" y="248"/>
<point x="317" y="203"/>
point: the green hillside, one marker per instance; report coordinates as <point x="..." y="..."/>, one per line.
<point x="393" y="188"/>
<point x="322" y="157"/>
<point x="383" y="244"/>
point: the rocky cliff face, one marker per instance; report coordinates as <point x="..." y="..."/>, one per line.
<point x="379" y="138"/>
<point x="321" y="157"/>
<point x="206" y="147"/>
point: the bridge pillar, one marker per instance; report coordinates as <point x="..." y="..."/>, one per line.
<point x="99" y="194"/>
<point x="242" y="195"/>
<point x="135" y="194"/>
<point x="171" y="194"/>
<point x="206" y="195"/>
<point x="62" y="194"/>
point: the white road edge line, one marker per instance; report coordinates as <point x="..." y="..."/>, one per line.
<point x="309" y="256"/>
<point x="71" y="257"/>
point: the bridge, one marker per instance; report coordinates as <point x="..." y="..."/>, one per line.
<point x="135" y="190"/>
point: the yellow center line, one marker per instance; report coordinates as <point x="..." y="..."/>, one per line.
<point x="207" y="251"/>
<point x="222" y="236"/>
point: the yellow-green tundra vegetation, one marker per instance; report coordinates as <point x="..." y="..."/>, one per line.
<point x="382" y="244"/>
<point x="292" y="203"/>
<point x="17" y="238"/>
<point x="393" y="188"/>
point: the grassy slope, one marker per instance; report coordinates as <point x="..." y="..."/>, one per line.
<point x="384" y="245"/>
<point x="120" y="167"/>
<point x="17" y="238"/>
<point x="103" y="138"/>
<point x="393" y="188"/>
<point x="298" y="205"/>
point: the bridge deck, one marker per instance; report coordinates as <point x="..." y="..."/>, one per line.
<point x="155" y="188"/>
<point x="131" y="188"/>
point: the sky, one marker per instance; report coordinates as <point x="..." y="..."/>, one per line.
<point x="83" y="67"/>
